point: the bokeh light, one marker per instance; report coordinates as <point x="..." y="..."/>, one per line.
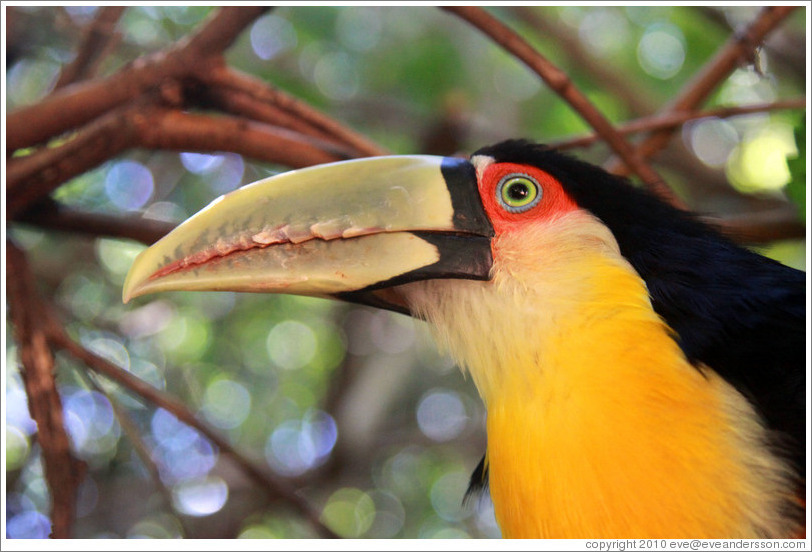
<point x="661" y="50"/>
<point x="291" y="344"/>
<point x="28" y="524"/>
<point x="116" y="256"/>
<point x="390" y="515"/>
<point x="91" y="423"/>
<point x="181" y="453"/>
<point x="17" y="447"/>
<point x="223" y="171"/>
<point x="26" y="81"/>
<point x="200" y="163"/>
<point x="759" y="162"/>
<point x="186" y="337"/>
<point x="445" y="495"/>
<point x="200" y="497"/>
<point x="350" y="512"/>
<point x="271" y="36"/>
<point x="296" y="446"/>
<point x="441" y="415"/>
<point x="604" y="31"/>
<point x="81" y="14"/>
<point x="16" y="405"/>
<point x="129" y="185"/>
<point x="359" y="29"/>
<point x="155" y="526"/>
<point x="711" y="140"/>
<point x="226" y="403"/>
<point x="336" y="75"/>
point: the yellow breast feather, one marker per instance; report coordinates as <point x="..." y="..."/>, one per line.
<point x="597" y="424"/>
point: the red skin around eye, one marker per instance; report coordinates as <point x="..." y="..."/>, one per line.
<point x="554" y="201"/>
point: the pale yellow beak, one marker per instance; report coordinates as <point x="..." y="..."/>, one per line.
<point x="340" y="229"/>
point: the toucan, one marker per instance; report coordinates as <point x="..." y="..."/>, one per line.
<point x="643" y="375"/>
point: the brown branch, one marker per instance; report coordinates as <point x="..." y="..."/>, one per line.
<point x="63" y="472"/>
<point x="31" y="178"/>
<point x="560" y="83"/>
<point x="74" y="106"/>
<point x="740" y="47"/>
<point x="52" y="216"/>
<point x="96" y="42"/>
<point x="273" y="486"/>
<point x="227" y="78"/>
<point x="673" y="120"/>
<point x="239" y="103"/>
<point x="131" y="431"/>
<point x="174" y="130"/>
<point x="219" y="31"/>
<point x="612" y="80"/>
<point x="761" y="227"/>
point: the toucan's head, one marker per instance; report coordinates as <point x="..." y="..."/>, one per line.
<point x="359" y="230"/>
<point x="497" y="245"/>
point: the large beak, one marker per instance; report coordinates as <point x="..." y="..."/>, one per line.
<point x="350" y="230"/>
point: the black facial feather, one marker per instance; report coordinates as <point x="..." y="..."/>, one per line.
<point x="741" y="314"/>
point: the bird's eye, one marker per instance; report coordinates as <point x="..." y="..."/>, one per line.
<point x="518" y="192"/>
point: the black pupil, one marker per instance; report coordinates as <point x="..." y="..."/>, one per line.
<point x="518" y="191"/>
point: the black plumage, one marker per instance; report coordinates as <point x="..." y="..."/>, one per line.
<point x="734" y="311"/>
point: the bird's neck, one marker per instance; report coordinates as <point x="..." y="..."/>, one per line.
<point x="597" y="425"/>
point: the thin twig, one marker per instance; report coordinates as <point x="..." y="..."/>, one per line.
<point x="245" y="105"/>
<point x="676" y="119"/>
<point x="96" y="41"/>
<point x="560" y="83"/>
<point x="175" y="130"/>
<point x="63" y="472"/>
<point x="273" y="486"/>
<point x="131" y="431"/>
<point x="53" y="216"/>
<point x="612" y="80"/>
<point x="761" y="227"/>
<point x="225" y="77"/>
<point x="73" y="106"/>
<point x="740" y="47"/>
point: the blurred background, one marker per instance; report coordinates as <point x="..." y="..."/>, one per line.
<point x="353" y="406"/>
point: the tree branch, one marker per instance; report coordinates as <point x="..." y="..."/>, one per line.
<point x="673" y="120"/>
<point x="74" y="106"/>
<point x="274" y="487"/>
<point x="174" y="130"/>
<point x="227" y="78"/>
<point x="560" y="83"/>
<point x="131" y="431"/>
<point x="727" y="58"/>
<point x="762" y="227"/>
<point x="219" y="32"/>
<point x="96" y="41"/>
<point x="53" y="216"/>
<point x="32" y="177"/>
<point x="241" y="104"/>
<point x="612" y="80"/>
<point x="63" y="472"/>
